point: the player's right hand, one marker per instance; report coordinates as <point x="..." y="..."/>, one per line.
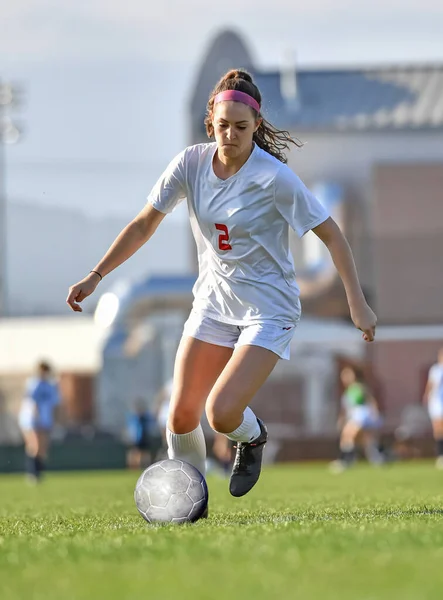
<point x="81" y="290"/>
<point x="364" y="319"/>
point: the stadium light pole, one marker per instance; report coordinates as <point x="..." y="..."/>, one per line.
<point x="9" y="134"/>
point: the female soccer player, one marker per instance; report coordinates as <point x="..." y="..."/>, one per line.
<point x="241" y="198"/>
<point x="359" y="420"/>
<point x="433" y="398"/>
<point x="36" y="419"/>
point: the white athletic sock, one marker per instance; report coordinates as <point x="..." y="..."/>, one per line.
<point x="190" y="447"/>
<point x="248" y="430"/>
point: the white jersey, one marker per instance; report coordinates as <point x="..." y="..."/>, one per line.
<point x="241" y="228"/>
<point x="436" y="379"/>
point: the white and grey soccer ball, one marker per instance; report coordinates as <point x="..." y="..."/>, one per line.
<point x="171" y="491"/>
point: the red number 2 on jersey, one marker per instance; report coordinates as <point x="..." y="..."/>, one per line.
<point x="223" y="238"/>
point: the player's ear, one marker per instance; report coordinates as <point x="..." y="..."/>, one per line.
<point x="258" y="122"/>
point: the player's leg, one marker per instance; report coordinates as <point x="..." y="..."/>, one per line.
<point x="198" y="364"/>
<point x="437" y="429"/>
<point x="222" y="448"/>
<point x="132" y="457"/>
<point x="42" y="450"/>
<point x="370" y="446"/>
<point x="31" y="448"/>
<point x="348" y="439"/>
<point x="233" y="391"/>
<point x="228" y="411"/>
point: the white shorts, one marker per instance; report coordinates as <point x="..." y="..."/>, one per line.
<point x="28" y="418"/>
<point x="271" y="336"/>
<point x="435" y="409"/>
<point x="363" y="416"/>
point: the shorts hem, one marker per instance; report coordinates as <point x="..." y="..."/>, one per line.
<point x="282" y="355"/>
<point x="201" y="338"/>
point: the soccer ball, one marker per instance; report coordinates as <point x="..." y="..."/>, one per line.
<point x="171" y="491"/>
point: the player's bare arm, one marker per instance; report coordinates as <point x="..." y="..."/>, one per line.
<point x="362" y="315"/>
<point x="427" y="391"/>
<point x="129" y="240"/>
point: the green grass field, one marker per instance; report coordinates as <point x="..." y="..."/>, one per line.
<point x="368" y="534"/>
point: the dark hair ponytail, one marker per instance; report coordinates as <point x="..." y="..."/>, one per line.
<point x="267" y="136"/>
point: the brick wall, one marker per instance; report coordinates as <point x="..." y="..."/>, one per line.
<point x="408" y="243"/>
<point x="401" y="369"/>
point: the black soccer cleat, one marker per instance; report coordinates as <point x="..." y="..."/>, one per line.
<point x="247" y="464"/>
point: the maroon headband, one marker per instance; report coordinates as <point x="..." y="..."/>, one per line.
<point x="237" y="96"/>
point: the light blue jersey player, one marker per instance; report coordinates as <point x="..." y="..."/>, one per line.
<point x="36" y="418"/>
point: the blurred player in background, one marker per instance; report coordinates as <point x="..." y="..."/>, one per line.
<point x="433" y="399"/>
<point x="242" y="199"/>
<point x="36" y="419"/>
<point x="222" y="450"/>
<point x="144" y="437"/>
<point x="359" y="421"/>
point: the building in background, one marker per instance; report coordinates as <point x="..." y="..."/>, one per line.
<point x="373" y="154"/>
<point x="372" y="148"/>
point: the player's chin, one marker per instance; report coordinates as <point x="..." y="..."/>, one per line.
<point x="230" y="150"/>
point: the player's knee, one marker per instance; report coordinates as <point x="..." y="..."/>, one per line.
<point x="183" y="421"/>
<point x="220" y="418"/>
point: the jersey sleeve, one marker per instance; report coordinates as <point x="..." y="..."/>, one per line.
<point x="171" y="187"/>
<point x="297" y="205"/>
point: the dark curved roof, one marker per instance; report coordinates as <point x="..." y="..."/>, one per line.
<point x="227" y="51"/>
<point x="394" y="97"/>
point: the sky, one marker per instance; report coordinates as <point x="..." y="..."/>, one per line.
<point x="105" y="82"/>
<point x="321" y="31"/>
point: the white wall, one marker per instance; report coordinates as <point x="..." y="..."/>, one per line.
<point x="71" y="343"/>
<point x="349" y="157"/>
<point x="49" y="249"/>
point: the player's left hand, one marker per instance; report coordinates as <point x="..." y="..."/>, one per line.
<point x="364" y="319"/>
